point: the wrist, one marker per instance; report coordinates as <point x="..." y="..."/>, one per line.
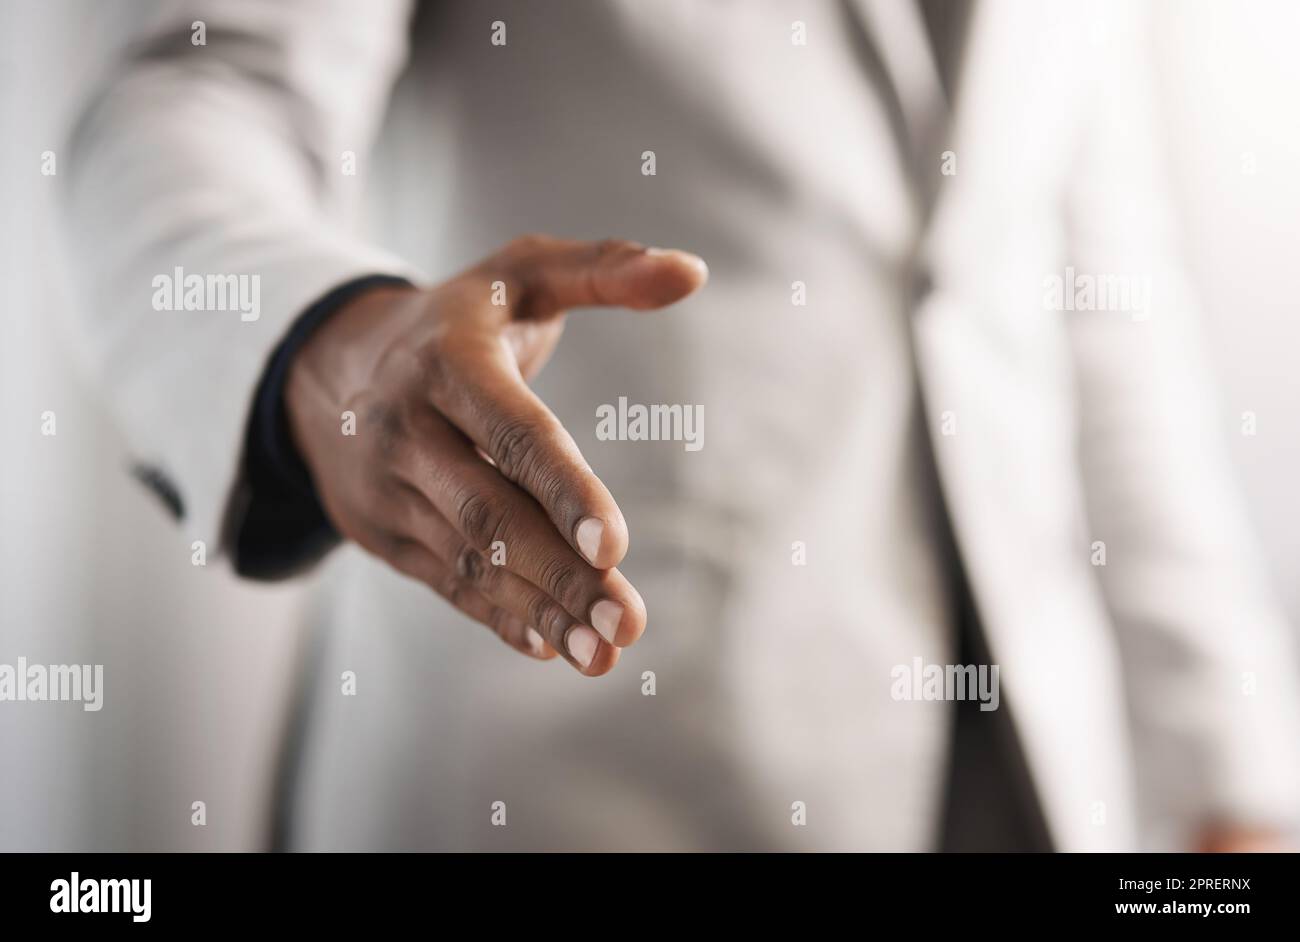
<point x="336" y="361"/>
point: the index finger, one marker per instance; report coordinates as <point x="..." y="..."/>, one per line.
<point x="493" y="405"/>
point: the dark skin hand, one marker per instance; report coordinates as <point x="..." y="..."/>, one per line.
<point x="454" y="452"/>
<point x="456" y="462"/>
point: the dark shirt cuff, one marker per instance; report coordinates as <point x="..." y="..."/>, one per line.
<point x="284" y="528"/>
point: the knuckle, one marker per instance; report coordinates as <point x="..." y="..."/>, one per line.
<point x="541" y="612"/>
<point x="514" y="445"/>
<point x="470" y="565"/>
<point x="483" y="521"/>
<point x="553" y="623"/>
<point x="520" y="263"/>
<point x="560" y="578"/>
<point x="477" y="519"/>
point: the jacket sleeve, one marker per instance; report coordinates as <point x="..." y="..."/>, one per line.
<point x="219" y="150"/>
<point x="1209" y="659"/>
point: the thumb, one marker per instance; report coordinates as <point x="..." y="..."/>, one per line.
<point x="553" y="275"/>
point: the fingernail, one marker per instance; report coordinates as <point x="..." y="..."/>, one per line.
<point x="534" y="639"/>
<point x="582" y="643"/>
<point x="605" y="617"/>
<point x="589" y="532"/>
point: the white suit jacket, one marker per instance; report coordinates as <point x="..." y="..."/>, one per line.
<point x="1148" y="668"/>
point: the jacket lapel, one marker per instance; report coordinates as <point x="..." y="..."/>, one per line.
<point x="900" y="40"/>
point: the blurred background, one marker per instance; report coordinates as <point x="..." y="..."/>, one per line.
<point x="199" y="667"/>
